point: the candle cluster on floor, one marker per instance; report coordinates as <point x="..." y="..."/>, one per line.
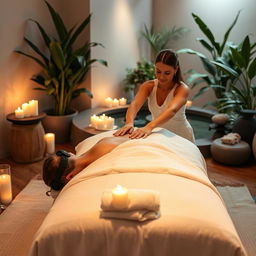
<point x="102" y="122"/>
<point x="109" y="102"/>
<point x="27" y="109"/>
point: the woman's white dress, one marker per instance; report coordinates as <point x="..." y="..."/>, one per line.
<point x="177" y="124"/>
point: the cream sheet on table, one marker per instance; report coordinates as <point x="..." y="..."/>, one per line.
<point x="193" y="221"/>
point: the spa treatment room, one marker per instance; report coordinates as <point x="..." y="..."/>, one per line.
<point x="128" y="127"/>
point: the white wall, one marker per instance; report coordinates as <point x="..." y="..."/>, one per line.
<point x="218" y="15"/>
<point x="116" y="24"/>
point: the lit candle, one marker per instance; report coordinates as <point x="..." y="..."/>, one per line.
<point x="5" y="189"/>
<point x="188" y="103"/>
<point x="93" y="121"/>
<point x="5" y="185"/>
<point x="50" y="142"/>
<point x="108" y="102"/>
<point x="122" y="101"/>
<point x="110" y="123"/>
<point x="115" y="103"/>
<point x="26" y="109"/>
<point x="120" y="197"/>
<point x="19" y="113"/>
<point x="33" y="105"/>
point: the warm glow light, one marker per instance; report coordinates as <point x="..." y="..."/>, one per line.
<point x="50" y="142"/>
<point x="120" y="197"/>
<point x="189" y="103"/>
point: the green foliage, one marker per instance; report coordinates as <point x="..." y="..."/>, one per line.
<point x="162" y="39"/>
<point x="144" y="71"/>
<point x="215" y="78"/>
<point x="63" y="68"/>
<point x="242" y="92"/>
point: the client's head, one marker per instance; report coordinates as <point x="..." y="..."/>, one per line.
<point x="55" y="169"/>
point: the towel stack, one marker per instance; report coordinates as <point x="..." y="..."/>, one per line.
<point x="231" y="138"/>
<point x="141" y="205"/>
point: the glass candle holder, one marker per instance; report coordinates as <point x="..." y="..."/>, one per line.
<point x="5" y="185"/>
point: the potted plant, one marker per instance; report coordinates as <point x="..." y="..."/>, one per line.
<point x="145" y="70"/>
<point x="159" y="40"/>
<point x="63" y="67"/>
<point x="215" y="78"/>
<point x="241" y="96"/>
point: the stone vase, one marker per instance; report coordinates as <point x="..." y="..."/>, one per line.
<point x="59" y="125"/>
<point x="245" y="125"/>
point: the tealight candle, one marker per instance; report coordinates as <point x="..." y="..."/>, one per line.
<point x="26" y="109"/>
<point x="110" y="123"/>
<point x="188" y="103"/>
<point x="108" y="102"/>
<point x="5" y="185"/>
<point x="122" y="101"/>
<point x="120" y="197"/>
<point x="50" y="142"/>
<point x="19" y="113"/>
<point x="115" y="103"/>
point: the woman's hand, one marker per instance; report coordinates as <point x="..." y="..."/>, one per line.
<point x="127" y="129"/>
<point x="140" y="133"/>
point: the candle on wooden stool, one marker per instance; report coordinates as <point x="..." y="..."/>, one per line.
<point x="19" y="113"/>
<point x="50" y="142"/>
<point x="5" y="185"/>
<point x="120" y="197"/>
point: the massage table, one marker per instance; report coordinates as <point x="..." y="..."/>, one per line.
<point x="193" y="221"/>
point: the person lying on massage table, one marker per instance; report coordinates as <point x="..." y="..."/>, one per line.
<point x="59" y="169"/>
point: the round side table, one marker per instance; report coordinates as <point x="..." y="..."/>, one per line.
<point x="27" y="143"/>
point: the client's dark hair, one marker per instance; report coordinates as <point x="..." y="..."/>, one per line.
<point x="53" y="170"/>
<point x="49" y="170"/>
<point x="170" y="58"/>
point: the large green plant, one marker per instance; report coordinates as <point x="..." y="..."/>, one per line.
<point x="63" y="68"/>
<point x="215" y="78"/>
<point x="162" y="39"/>
<point x="242" y="92"/>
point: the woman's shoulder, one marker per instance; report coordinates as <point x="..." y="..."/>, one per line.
<point x="148" y="85"/>
<point x="181" y="85"/>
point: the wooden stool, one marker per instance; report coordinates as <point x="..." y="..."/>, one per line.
<point x="230" y="154"/>
<point x="27" y="143"/>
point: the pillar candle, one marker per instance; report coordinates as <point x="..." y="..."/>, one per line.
<point x="26" y="109"/>
<point x="5" y="189"/>
<point x="122" y="101"/>
<point x="115" y="103"/>
<point x="108" y="102"/>
<point x="110" y="123"/>
<point x="120" y="197"/>
<point x="19" y="113"/>
<point x="50" y="142"/>
<point x="33" y="105"/>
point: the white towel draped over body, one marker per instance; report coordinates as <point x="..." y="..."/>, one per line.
<point x="142" y="205"/>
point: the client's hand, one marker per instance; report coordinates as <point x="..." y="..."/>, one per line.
<point x="128" y="128"/>
<point x="140" y="133"/>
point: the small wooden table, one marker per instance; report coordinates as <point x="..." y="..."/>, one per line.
<point x="27" y="143"/>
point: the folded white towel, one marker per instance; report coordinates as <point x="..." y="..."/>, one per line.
<point x="138" y="215"/>
<point x="141" y="205"/>
<point x="231" y="138"/>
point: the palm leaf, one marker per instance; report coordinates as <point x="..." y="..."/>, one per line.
<point x="228" y="32"/>
<point x="58" y="22"/>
